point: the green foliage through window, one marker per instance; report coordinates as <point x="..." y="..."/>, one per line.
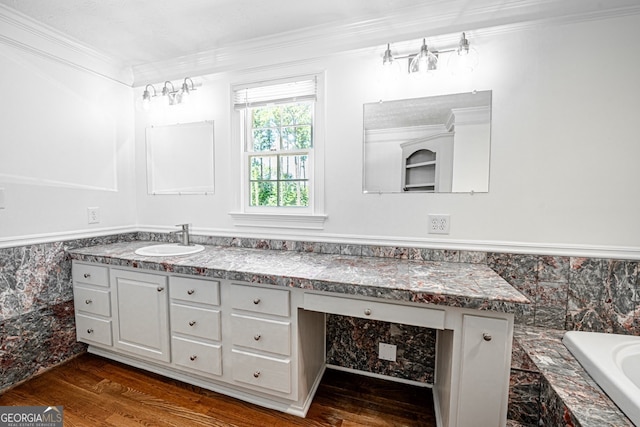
<point x="281" y="139"/>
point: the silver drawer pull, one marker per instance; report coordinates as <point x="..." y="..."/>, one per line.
<point x="192" y="358"/>
<point x="191" y="323"/>
<point x="88" y="301"/>
<point x="87" y="275"/>
<point x="486" y="337"/>
<point x="160" y="289"/>
<point x="256" y="374"/>
<point x="367" y="312"/>
<point x="257" y="337"/>
<point x="89" y="331"/>
<point x="256" y="301"/>
<point x="191" y="291"/>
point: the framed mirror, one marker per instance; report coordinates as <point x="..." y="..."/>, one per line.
<point x="438" y="144"/>
<point x="180" y="158"/>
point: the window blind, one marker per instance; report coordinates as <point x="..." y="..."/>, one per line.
<point x="278" y="93"/>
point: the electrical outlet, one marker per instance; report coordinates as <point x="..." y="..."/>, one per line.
<point x="439" y="224"/>
<point x="93" y="215"/>
<point x="387" y="352"/>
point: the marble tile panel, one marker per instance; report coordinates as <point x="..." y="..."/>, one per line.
<point x="620" y="295"/>
<point x="524" y="397"/>
<point x="513" y="267"/>
<point x="385" y="252"/>
<point x="553" y="269"/>
<point x="473" y="257"/>
<point x="585" y="308"/>
<point x="353" y="343"/>
<point x="445" y="255"/>
<point x="353" y="250"/>
<point x="419" y="254"/>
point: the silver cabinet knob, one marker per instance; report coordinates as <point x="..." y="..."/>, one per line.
<point x="256" y="374"/>
<point x="160" y="289"/>
<point x="87" y="275"/>
<point x="191" y="323"/>
<point x="89" y="331"/>
<point x="486" y="336"/>
<point x="192" y="358"/>
<point x="256" y="301"/>
<point x="257" y="337"/>
<point x="88" y="301"/>
<point x="191" y="291"/>
<point x="367" y="312"/>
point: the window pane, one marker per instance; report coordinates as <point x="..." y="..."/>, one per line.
<point x="294" y="193"/>
<point x="263" y="167"/>
<point x="264" y="193"/>
<point x="293" y="167"/>
<point x="266" y="139"/>
<point x="297" y="114"/>
<point x="296" y="137"/>
<point x="266" y="117"/>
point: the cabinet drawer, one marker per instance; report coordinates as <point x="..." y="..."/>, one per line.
<point x="206" y="358"/>
<point x="198" y="322"/>
<point x="394" y="313"/>
<point x="92" y="330"/>
<point x="92" y="301"/>
<point x="261" y="334"/>
<point x="260" y="300"/>
<point x="90" y="274"/>
<point x="195" y="290"/>
<point x="262" y="371"/>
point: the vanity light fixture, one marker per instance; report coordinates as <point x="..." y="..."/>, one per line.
<point x="174" y="96"/>
<point x="425" y="61"/>
<point x="184" y="92"/>
<point x="170" y="94"/>
<point x="146" y="97"/>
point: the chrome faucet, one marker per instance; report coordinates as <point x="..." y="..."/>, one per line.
<point x="184" y="238"/>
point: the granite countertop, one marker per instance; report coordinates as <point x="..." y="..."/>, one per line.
<point x="452" y="284"/>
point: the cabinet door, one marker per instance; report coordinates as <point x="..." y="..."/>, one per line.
<point x="484" y="377"/>
<point x="140" y="306"/>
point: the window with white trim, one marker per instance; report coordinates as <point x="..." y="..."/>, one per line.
<point x="278" y="123"/>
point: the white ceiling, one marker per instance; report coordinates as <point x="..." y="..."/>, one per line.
<point x="145" y="31"/>
<point x="153" y="40"/>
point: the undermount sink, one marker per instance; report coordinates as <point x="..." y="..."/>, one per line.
<point x="169" y="249"/>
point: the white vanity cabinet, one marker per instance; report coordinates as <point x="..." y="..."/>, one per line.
<point x="92" y="302"/>
<point x="261" y="330"/>
<point x="141" y="313"/>
<point x="196" y="325"/>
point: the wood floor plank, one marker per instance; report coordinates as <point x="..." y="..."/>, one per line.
<point x="98" y="392"/>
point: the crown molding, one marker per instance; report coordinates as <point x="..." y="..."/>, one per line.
<point x="21" y="32"/>
<point x="442" y="20"/>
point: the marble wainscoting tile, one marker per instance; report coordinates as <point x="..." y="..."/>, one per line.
<point x="585" y="296"/>
<point x="473" y="257"/>
<point x="419" y="254"/>
<point x="551" y="305"/>
<point x="514" y="266"/>
<point x="354" y="250"/>
<point x="621" y="304"/>
<point x="385" y="252"/>
<point x="445" y="255"/>
<point x="524" y="397"/>
<point x="353" y="343"/>
<point x="36" y="341"/>
<point x="10" y="301"/>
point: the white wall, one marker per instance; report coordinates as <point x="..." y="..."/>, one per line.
<point x="66" y="143"/>
<point x="564" y="154"/>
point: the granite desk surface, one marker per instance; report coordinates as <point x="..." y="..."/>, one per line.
<point x="463" y="285"/>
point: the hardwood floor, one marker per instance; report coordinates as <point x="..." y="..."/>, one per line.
<point x="98" y="392"/>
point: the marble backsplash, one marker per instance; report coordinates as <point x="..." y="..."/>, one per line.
<point x="36" y="312"/>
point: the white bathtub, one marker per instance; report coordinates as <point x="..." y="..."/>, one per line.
<point x="613" y="361"/>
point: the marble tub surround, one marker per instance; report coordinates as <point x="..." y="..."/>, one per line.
<point x="574" y="293"/>
<point x="567" y="394"/>
<point x="453" y="284"/>
<point x="37" y="325"/>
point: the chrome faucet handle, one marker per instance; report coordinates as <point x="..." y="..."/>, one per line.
<point x="184" y="234"/>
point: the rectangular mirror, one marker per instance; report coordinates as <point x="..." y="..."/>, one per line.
<point x="438" y="144"/>
<point x="180" y="158"/>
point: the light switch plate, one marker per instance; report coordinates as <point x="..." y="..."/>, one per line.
<point x="387" y="352"/>
<point x="2" y="205"/>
